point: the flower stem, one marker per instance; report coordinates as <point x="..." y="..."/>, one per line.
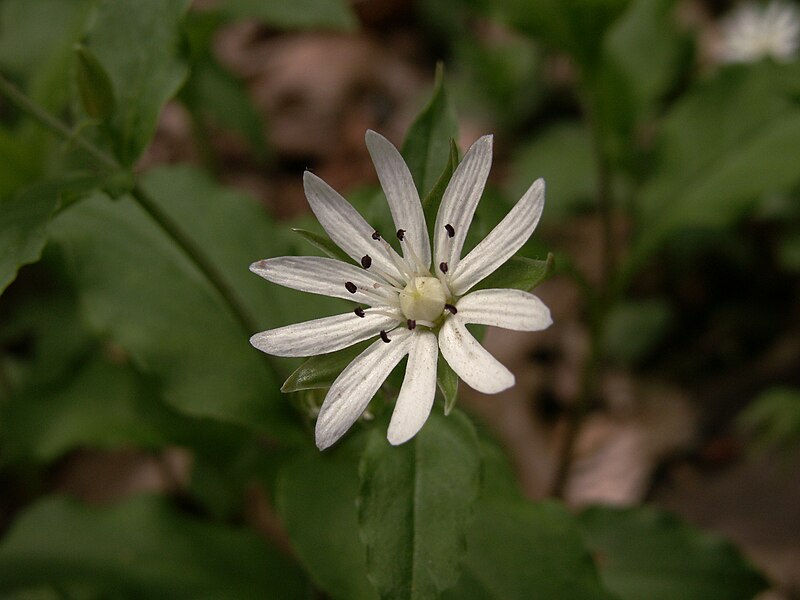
<point x="195" y="254"/>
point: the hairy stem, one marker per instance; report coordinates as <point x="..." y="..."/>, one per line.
<point x="146" y="202"/>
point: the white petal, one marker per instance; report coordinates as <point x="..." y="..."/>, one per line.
<point x="502" y="242"/>
<point x="459" y="202"/>
<point x="510" y="309"/>
<point x="474" y="365"/>
<point x="356" y="385"/>
<point x="345" y="226"/>
<point x="419" y="388"/>
<point x="401" y="194"/>
<point x="319" y="275"/>
<point x="321" y="335"/>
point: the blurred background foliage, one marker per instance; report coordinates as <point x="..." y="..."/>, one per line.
<point x="150" y="150"/>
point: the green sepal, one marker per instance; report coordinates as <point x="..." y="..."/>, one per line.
<point x="447" y="381"/>
<point x="319" y="372"/>
<point x="520" y="273"/>
<point x="94" y="85"/>
<point x="323" y="243"/>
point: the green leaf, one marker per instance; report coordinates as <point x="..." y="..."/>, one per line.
<point x="517" y="549"/>
<point x="319" y="372"/>
<point x="717" y="153"/>
<point x="433" y="199"/>
<point x="323" y="243"/>
<point x="562" y="155"/>
<point x="773" y="418"/>
<point x="414" y="504"/>
<point x="519" y="273"/>
<point x="94" y="86"/>
<point x="141" y="549"/>
<point x="298" y="14"/>
<point x="138" y="288"/>
<point x="137" y="42"/>
<point x="573" y="26"/>
<point x="447" y="381"/>
<point x="428" y="147"/>
<point x="633" y="329"/>
<point x="316" y="500"/>
<point x="645" y="553"/>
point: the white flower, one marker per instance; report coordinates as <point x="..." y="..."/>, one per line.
<point x="754" y="31"/>
<point x="414" y="305"/>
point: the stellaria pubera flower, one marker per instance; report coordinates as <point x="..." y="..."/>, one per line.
<point x="755" y="31"/>
<point x="416" y="304"/>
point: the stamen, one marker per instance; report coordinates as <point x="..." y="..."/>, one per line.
<point x="385" y="337"/>
<point x="401" y="233"/>
<point x="450" y="230"/>
<point x="443" y="267"/>
<point x="351" y="287"/>
<point x="375" y="235"/>
<point x="451" y="309"/>
<point x="411" y="323"/>
<point x="366" y="261"/>
<point x="359" y="312"/>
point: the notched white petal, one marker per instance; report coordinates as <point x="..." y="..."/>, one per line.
<point x="418" y="390"/>
<point x="318" y="275"/>
<point x="356" y="385"/>
<point x="472" y="362"/>
<point x="502" y="242"/>
<point x="322" y="335"/>
<point x="401" y="195"/>
<point x="510" y="309"/>
<point x="459" y="202"/>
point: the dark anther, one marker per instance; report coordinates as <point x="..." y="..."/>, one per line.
<point x="443" y="267"/>
<point x="351" y="287"/>
<point x="360" y="312"/>
<point x="376" y="236"/>
<point x="366" y="261"/>
<point x="401" y="233"/>
<point x="385" y="337"/>
<point x="411" y="323"/>
<point x="452" y="309"/>
<point x="450" y="231"/>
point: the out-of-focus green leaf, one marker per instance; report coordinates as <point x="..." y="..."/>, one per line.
<point x="789" y="252"/>
<point x="644" y="553"/>
<point x="634" y="328"/>
<point x="298" y="14"/>
<point x="573" y="26"/>
<point x="562" y="155"/>
<point x="517" y="549"/>
<point x="323" y="243"/>
<point x="773" y="418"/>
<point x="719" y="151"/>
<point x="414" y="505"/>
<point x="447" y="381"/>
<point x="137" y="42"/>
<point x="316" y="499"/>
<point x="141" y="549"/>
<point x="319" y="372"/>
<point x="137" y="287"/>
<point x="94" y="86"/>
<point x="519" y="273"/>
<point x="427" y="146"/>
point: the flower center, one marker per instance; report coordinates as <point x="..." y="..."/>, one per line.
<point x="423" y="299"/>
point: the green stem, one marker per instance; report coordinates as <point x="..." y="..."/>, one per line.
<point x="140" y="195"/>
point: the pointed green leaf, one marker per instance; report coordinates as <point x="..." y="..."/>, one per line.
<point x="319" y="372"/>
<point x="143" y="548"/>
<point x="447" y="381"/>
<point x="426" y="148"/>
<point x="323" y="243"/>
<point x="137" y="42"/>
<point x="519" y="273"/>
<point x="94" y="86"/>
<point x="431" y="202"/>
<point x="414" y="506"/>
<point x="316" y="500"/>
<point x="645" y="553"/>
